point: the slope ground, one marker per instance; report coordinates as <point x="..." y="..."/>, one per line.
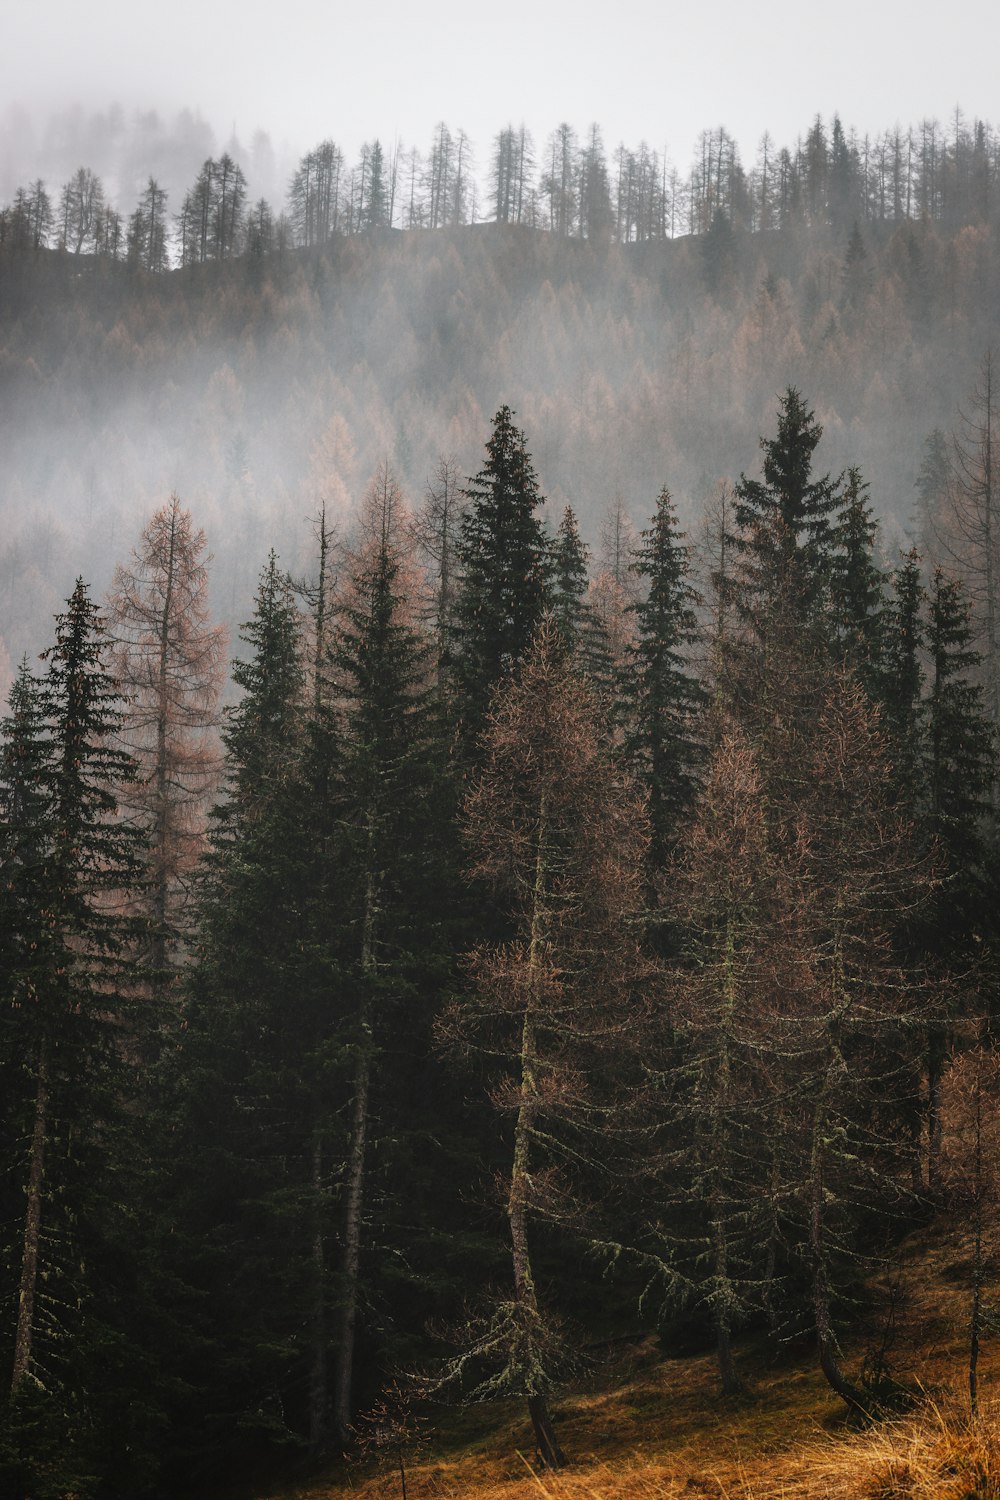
<point x="652" y="1428"/>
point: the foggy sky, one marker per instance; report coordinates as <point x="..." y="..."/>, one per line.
<point x="304" y="70"/>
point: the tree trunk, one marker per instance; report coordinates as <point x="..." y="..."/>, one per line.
<point x="517" y="1203"/>
<point x="343" y="1373"/>
<point x="935" y="1074"/>
<point x="771" y="1257"/>
<point x="355" y="1182"/>
<point x="318" y="1393"/>
<point x="976" y="1311"/>
<point x="24" y="1335"/>
<point x="161" y="825"/>
<point x="731" y="1383"/>
<point x="826" y="1339"/>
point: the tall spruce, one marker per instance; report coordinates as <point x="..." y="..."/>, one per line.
<point x="785" y="526"/>
<point x="959" y="767"/>
<point x="383" y="672"/>
<point x="660" y="693"/>
<point x="70" y="866"/>
<point x="241" y="1155"/>
<point x="504" y="564"/>
<point x="858" y="583"/>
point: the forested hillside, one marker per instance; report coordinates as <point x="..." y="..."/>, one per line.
<point x="580" y="921"/>
<point x="260" y="379"/>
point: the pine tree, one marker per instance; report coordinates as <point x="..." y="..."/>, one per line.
<point x="504" y="573"/>
<point x="72" y="864"/>
<point x="660" y="692"/>
<point x="560" y="837"/>
<point x="961" y="768"/>
<point x="857" y="585"/>
<point x="382" y="673"/>
<point x="569" y="581"/>
<point x="901" y="688"/>
<point x="711" y="1190"/>
<point x="239" y="1171"/>
<point x="573" y="613"/>
<point x="784" y="524"/>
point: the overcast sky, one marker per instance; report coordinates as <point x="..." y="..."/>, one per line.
<point x="303" y="70"/>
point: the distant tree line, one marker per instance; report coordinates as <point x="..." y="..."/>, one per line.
<point x="639" y="908"/>
<point x="831" y="176"/>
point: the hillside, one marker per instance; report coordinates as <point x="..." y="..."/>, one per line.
<point x="258" y="389"/>
<point x="647" y="1426"/>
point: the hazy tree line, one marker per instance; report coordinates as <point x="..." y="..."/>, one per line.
<point x="831" y="176"/>
<point x="531" y="905"/>
<point x="250" y="383"/>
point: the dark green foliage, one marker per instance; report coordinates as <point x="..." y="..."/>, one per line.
<point x="239" y="1143"/>
<point x="661" y="695"/>
<point x="932" y="483"/>
<point x="902" y="677"/>
<point x="857" y="586"/>
<point x="569" y="581"/>
<point x="572" y="614"/>
<point x="785" y="527"/>
<point x="72" y="1155"/>
<point x="961" y="767"/>
<point x="505" y="568"/>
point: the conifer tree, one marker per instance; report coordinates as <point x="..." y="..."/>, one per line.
<point x="437" y="529"/>
<point x="901" y="687"/>
<point x="961" y="762"/>
<point x="711" y="1189"/>
<point x="959" y="767"/>
<point x="857" y="583"/>
<point x="784" y="523"/>
<point x="572" y="613"/>
<point x="69" y="864"/>
<point x="168" y="660"/>
<point x="382" y="676"/>
<point x="240" y="1150"/>
<point x="504" y="572"/>
<point x="561" y="838"/>
<point x="660" y="692"/>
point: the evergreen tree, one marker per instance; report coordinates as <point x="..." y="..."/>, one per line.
<point x="69" y="865"/>
<point x="573" y="613"/>
<point x="857" y="583"/>
<point x="240" y="1149"/>
<point x="504" y="565"/>
<point x="961" y="767"/>
<point x="901" y="686"/>
<point x="661" y="696"/>
<point x="569" y="580"/>
<point x="932" y="485"/>
<point x="382" y="672"/>
<point x="785" y="529"/>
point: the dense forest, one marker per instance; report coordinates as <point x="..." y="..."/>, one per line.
<point x="549" y="938"/>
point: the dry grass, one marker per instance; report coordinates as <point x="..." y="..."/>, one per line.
<point x="655" y="1429"/>
<point x="940" y="1453"/>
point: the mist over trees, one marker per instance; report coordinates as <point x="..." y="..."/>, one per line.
<point x="262" y="357"/>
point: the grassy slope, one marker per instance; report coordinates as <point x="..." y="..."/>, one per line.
<point x="650" y="1428"/>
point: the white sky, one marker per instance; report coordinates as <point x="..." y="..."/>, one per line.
<point x="303" y="70"/>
